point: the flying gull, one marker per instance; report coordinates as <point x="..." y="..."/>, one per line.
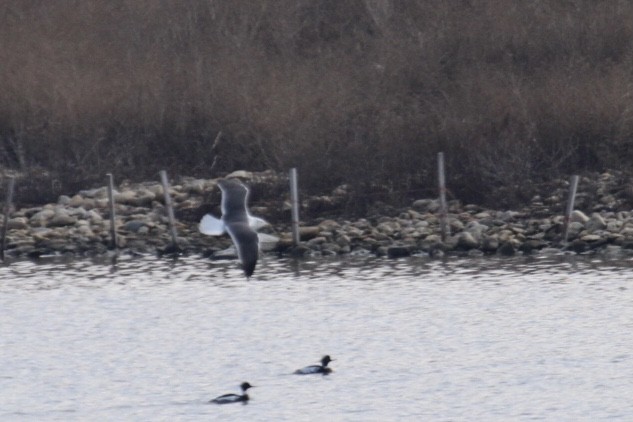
<point x="237" y="221"/>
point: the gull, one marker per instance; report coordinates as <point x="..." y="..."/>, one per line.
<point x="238" y="223"/>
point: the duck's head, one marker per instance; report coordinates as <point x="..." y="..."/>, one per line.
<point x="325" y="360"/>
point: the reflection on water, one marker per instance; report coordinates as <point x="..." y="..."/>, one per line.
<point x="459" y="339"/>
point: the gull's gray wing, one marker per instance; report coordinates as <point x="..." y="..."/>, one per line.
<point x="236" y="222"/>
<point x="247" y="245"/>
<point x="211" y="226"/>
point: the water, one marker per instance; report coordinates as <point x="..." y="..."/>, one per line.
<point x="456" y="340"/>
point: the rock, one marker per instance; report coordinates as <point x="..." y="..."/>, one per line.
<point x="308" y="232"/>
<point x="61" y="218"/>
<point x="489" y="244"/>
<point x="196" y="186"/>
<point x="614" y="226"/>
<point x="455" y="225"/>
<point x="85" y="231"/>
<point x="398" y="251"/>
<point x="101" y="193"/>
<point x="507" y="215"/>
<point x="437" y="250"/>
<point x="157" y="190"/>
<point x="63" y="200"/>
<point x="94" y="217"/>
<point x="579" y="216"/>
<point x="466" y="240"/>
<point x="343" y="240"/>
<point x="316" y="241"/>
<point x="133" y="225"/>
<point x="76" y="201"/>
<point x="345" y="249"/>
<point x="476" y="230"/>
<point x="426" y="205"/>
<point x="330" y="250"/>
<point x="17" y="223"/>
<point x="268" y="242"/>
<point x="578" y="246"/>
<point x="101" y="203"/>
<point x="41" y="233"/>
<point x="575" y="228"/>
<point x="388" y="227"/>
<point x="78" y="220"/>
<point x="328" y="225"/>
<point x="530" y="245"/>
<point x="598" y="243"/>
<point x="299" y="250"/>
<point x="382" y="251"/>
<point x="240" y="174"/>
<point x="596" y="222"/>
<point x="124" y="197"/>
<point x="144" y="198"/>
<point x="591" y="238"/>
<point x="507" y="249"/>
<point x="40" y="219"/>
<point x="228" y="253"/>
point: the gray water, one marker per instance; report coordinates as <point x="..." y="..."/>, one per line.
<point x="457" y="340"/>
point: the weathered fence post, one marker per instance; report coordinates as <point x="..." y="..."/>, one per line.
<point x="7" y="211"/>
<point x="442" y="187"/>
<point x="294" y="199"/>
<point x="113" y="239"/>
<point x="170" y="211"/>
<point x="573" y="186"/>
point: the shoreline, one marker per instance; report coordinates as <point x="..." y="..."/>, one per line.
<point x="79" y="225"/>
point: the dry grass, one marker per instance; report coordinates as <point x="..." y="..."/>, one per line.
<point x="349" y="91"/>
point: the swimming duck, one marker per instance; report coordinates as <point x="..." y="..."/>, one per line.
<point x="317" y="369"/>
<point x="233" y="398"/>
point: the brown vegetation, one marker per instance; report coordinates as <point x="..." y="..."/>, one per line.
<point x="350" y="91"/>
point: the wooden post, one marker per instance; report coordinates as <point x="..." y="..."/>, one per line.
<point x="170" y="211"/>
<point x="7" y="211"/>
<point x="442" y="187"/>
<point x="573" y="186"/>
<point x="294" y="199"/>
<point x="113" y="240"/>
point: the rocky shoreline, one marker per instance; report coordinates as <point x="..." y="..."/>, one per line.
<point x="79" y="225"/>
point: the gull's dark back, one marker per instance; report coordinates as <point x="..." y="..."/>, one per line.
<point x="235" y="217"/>
<point x="234" y="195"/>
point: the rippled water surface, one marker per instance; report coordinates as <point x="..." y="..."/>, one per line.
<point x="462" y="339"/>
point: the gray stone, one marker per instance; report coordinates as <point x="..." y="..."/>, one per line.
<point x="17" y="223"/>
<point x="241" y="174"/>
<point x="308" y="232"/>
<point x="489" y="244"/>
<point x="596" y="222"/>
<point x="62" y="218"/>
<point x="591" y="238"/>
<point x="579" y="216"/>
<point x="466" y="240"/>
<point x="41" y="218"/>
<point x="426" y="205"/>
<point x="507" y="249"/>
<point x="133" y="225"/>
<point x="455" y="225"/>
<point x="63" y="200"/>
<point x="575" y="228"/>
<point x="398" y="251"/>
